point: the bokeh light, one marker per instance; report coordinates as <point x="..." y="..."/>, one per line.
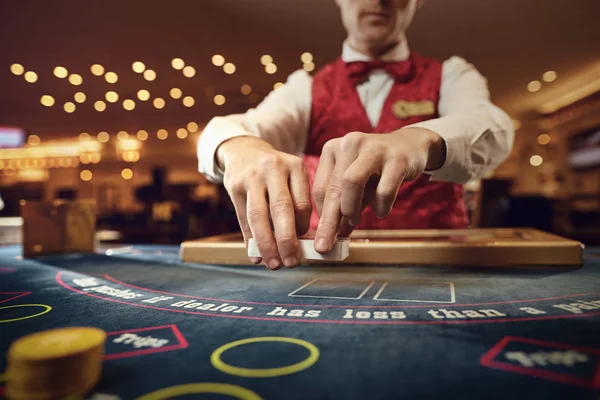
<point x="182" y="133"/>
<point x="192" y="127"/>
<point x="75" y="79"/>
<point x="306" y="57"/>
<point x="162" y="134"/>
<point x="31" y="76"/>
<point x="229" y="68"/>
<point x="219" y="99"/>
<point x="138" y="67"/>
<point x="142" y="135"/>
<point x="271" y="68"/>
<point x="309" y="66"/>
<point x="17" y="69"/>
<point x="80" y="97"/>
<point x="86" y="175"/>
<point x="188" y="101"/>
<point x="128" y="104"/>
<point x="33" y="140"/>
<point x="246" y="89"/>
<point x="69" y="107"/>
<point x="189" y="72"/>
<point x="103" y="137"/>
<point x="266" y="59"/>
<point x="143" y="95"/>
<point x="111" y="77"/>
<point x="549" y="76"/>
<point x="149" y="75"/>
<point x="97" y="69"/>
<point x="127" y="173"/>
<point x="158" y="103"/>
<point x="47" y="100"/>
<point x="100" y="106"/>
<point x="111" y="97"/>
<point x="60" y="72"/>
<point x="218" y="60"/>
<point x="536" y="160"/>
<point x="176" y="93"/>
<point x="543" y="139"/>
<point x="177" y="63"/>
<point x="534" y="86"/>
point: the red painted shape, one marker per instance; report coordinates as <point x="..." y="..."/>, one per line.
<point x="4" y="270"/>
<point x="17" y="295"/>
<point x="327" y="321"/>
<point x="110" y="278"/>
<point x="488" y="360"/>
<point x="134" y="353"/>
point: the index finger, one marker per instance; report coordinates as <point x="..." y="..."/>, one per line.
<point x="331" y="215"/>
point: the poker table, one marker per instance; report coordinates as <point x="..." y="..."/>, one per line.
<point x="189" y="330"/>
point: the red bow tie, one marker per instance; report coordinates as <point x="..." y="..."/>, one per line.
<point x="358" y="71"/>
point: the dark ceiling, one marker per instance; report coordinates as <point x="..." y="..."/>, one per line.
<point x="510" y="41"/>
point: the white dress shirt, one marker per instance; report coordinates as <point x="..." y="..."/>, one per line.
<point x="478" y="135"/>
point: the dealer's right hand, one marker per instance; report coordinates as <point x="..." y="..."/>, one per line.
<point x="266" y="183"/>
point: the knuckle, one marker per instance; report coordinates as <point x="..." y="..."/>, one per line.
<point x="296" y="163"/>
<point x="318" y="192"/>
<point x="334" y="192"/>
<point x="328" y="225"/>
<point x="280" y="206"/>
<point x="235" y="186"/>
<point x="399" y="160"/>
<point x="352" y="181"/>
<point x="347" y="210"/>
<point x="387" y="193"/>
<point x="303" y="207"/>
<point x="255" y="215"/>
<point x="286" y="240"/>
<point x="270" y="162"/>
<point x="265" y="244"/>
<point x="331" y="145"/>
<point x="352" y="140"/>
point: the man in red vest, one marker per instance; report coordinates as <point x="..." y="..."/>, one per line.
<point x="383" y="136"/>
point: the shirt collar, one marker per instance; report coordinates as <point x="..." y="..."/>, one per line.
<point x="399" y="53"/>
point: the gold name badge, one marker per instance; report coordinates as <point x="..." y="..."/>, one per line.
<point x="405" y="109"/>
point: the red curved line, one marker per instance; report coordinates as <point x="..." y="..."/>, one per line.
<point x="110" y="278"/>
<point x="21" y="294"/>
<point x="326" y="321"/>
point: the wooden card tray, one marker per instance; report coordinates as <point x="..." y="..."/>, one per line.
<point x="468" y="247"/>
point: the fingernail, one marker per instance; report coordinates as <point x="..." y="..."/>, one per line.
<point x="273" y="264"/>
<point x="255" y="260"/>
<point x="321" y="245"/>
<point x="290" y="262"/>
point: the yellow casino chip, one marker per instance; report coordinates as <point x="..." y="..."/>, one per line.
<point x="56" y="343"/>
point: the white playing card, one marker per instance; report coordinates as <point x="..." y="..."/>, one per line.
<point x="340" y="251"/>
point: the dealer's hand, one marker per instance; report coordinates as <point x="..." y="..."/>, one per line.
<point x="359" y="169"/>
<point x="267" y="185"/>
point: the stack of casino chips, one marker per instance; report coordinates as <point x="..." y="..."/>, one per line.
<point x="54" y="364"/>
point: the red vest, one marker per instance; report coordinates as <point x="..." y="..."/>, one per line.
<point x="337" y="110"/>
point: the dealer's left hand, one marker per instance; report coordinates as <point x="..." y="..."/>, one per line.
<point x="359" y="169"/>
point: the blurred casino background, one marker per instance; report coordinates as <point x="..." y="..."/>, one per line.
<point x="107" y="99"/>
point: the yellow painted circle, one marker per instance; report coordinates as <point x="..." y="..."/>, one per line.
<point x="46" y="310"/>
<point x="195" y="388"/>
<point x="216" y="361"/>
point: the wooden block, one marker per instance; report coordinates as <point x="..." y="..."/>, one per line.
<point x="58" y="226"/>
